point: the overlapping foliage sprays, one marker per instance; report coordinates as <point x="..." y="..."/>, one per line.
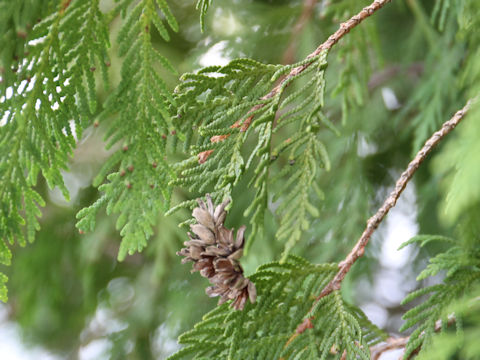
<point x="266" y="125"/>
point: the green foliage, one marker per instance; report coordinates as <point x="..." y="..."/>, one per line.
<point x="266" y="329"/>
<point x="304" y="147"/>
<point x="457" y="163"/>
<point x="16" y="20"/>
<point x="252" y="131"/>
<point x="460" y="165"/>
<point x="138" y="190"/>
<point x="52" y="98"/>
<point x="203" y="6"/>
<point x="462" y="272"/>
<point x="463" y="343"/>
<point x="221" y="106"/>
<point x="211" y="101"/>
<point x="355" y="59"/>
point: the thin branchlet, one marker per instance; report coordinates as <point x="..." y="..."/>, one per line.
<point x="333" y="39"/>
<point x="394" y="343"/>
<point x="372" y="224"/>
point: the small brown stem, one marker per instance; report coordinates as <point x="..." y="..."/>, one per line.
<point x="400" y="343"/>
<point x="390" y="344"/>
<point x="372" y="223"/>
<point x="329" y="43"/>
<point x="325" y="46"/>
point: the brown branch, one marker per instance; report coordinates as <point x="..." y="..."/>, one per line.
<point x="390" y="344"/>
<point x="372" y="223"/>
<point x="390" y="202"/>
<point x="330" y="42"/>
<point x="325" y="46"/>
<point x="400" y="343"/>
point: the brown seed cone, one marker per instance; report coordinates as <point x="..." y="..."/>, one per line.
<point x="216" y="254"/>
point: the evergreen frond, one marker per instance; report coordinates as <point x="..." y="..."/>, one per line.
<point x="51" y="99"/>
<point x="307" y="154"/>
<point x="423" y="240"/>
<point x="356" y="60"/>
<point x="372" y="334"/>
<point x="463" y="343"/>
<point x="226" y="105"/>
<point x="138" y="190"/>
<point x="266" y="329"/>
<point x="203" y="6"/>
<point x="3" y="288"/>
<point x="16" y="21"/>
<point x="218" y="103"/>
<point x="459" y="164"/>
<point x="462" y="274"/>
<point x="440" y="12"/>
<point x="296" y="208"/>
<point x="431" y="95"/>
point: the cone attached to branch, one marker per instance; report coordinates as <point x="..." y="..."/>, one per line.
<point x="216" y="253"/>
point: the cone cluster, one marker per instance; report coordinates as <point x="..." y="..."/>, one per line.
<point x="215" y="254"/>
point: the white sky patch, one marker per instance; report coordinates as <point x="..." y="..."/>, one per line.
<point x="102" y="324"/>
<point x="72" y="186"/>
<point x="11" y="345"/>
<point x="95" y="350"/>
<point x="37" y="41"/>
<point x="164" y="341"/>
<point x="22" y="86"/>
<point x="399" y="226"/>
<point x="365" y="148"/>
<point x="377" y="314"/>
<point x="30" y="65"/>
<point x="8" y="93"/>
<point x="390" y="287"/>
<point x="390" y="99"/>
<point x="30" y="85"/>
<point x="392" y="355"/>
<point x="226" y="23"/>
<point x="74" y="180"/>
<point x="105" y="323"/>
<point x="215" y="55"/>
<point x="3" y="120"/>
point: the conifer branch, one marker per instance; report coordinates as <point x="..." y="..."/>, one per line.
<point x="344" y="29"/>
<point x="400" y="343"/>
<point x="372" y="224"/>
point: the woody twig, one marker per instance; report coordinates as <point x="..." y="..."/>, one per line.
<point x="373" y="223"/>
<point x="333" y="39"/>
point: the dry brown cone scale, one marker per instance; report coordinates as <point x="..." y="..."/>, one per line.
<point x="215" y="254"/>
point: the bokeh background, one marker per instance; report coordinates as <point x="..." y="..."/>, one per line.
<point x="69" y="297"/>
